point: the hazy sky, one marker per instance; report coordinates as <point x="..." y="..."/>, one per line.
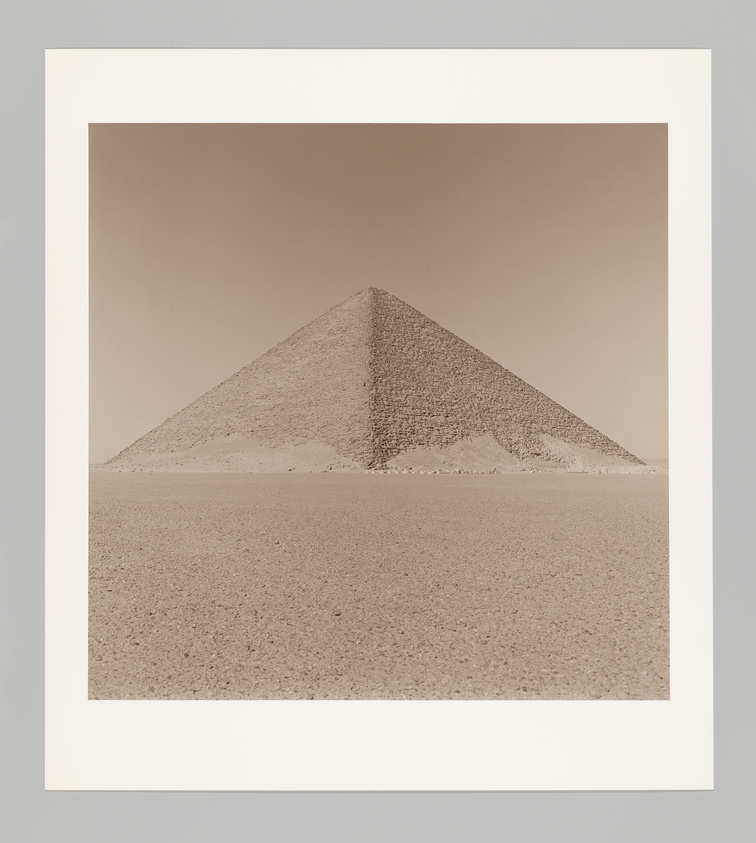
<point x="545" y="246"/>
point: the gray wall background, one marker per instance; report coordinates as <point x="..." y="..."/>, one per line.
<point x="27" y="813"/>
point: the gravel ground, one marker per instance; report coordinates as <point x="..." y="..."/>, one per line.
<point x="356" y="586"/>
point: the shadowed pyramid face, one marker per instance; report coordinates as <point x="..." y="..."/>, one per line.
<point x="372" y="384"/>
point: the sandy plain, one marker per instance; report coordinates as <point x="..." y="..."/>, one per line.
<point x="370" y="586"/>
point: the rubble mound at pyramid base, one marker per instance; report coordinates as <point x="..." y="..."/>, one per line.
<point x="483" y="455"/>
<point x="480" y="454"/>
<point x="242" y="455"/>
<point x="476" y="455"/>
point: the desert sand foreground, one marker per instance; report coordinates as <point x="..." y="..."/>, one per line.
<point x="364" y="586"/>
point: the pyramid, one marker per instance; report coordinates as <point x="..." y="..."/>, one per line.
<point x="373" y="384"/>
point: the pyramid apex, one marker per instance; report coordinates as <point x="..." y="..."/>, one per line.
<point x="372" y="290"/>
<point x="369" y="294"/>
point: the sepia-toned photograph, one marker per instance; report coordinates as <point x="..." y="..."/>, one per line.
<point x="378" y="412"/>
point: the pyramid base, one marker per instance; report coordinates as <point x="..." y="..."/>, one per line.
<point x="476" y="455"/>
<point x="240" y="456"/>
<point x="484" y="455"/>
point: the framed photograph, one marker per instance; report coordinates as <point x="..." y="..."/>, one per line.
<point x="378" y="420"/>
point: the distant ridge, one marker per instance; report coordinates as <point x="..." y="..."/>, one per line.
<point x="373" y="384"/>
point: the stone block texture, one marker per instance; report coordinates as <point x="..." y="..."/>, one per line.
<point x="429" y="387"/>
